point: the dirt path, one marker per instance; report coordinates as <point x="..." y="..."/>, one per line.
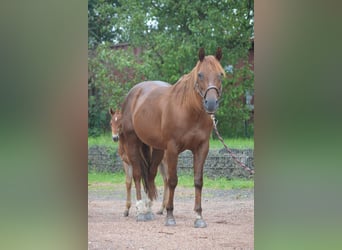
<point x="228" y="213"/>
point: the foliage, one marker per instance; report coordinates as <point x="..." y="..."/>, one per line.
<point x="111" y="74"/>
<point x="169" y="34"/>
<point x="101" y="22"/>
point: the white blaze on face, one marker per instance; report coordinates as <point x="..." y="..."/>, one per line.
<point x="115" y="135"/>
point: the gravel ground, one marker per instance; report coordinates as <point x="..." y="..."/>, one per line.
<point x="228" y="213"/>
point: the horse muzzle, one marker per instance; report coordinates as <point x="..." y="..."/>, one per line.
<point x="115" y="138"/>
<point x="210" y="105"/>
<point x="211" y="99"/>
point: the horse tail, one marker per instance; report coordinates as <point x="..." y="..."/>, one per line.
<point x="145" y="164"/>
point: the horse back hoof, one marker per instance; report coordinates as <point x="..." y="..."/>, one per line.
<point x="145" y="217"/>
<point x="199" y="223"/>
<point x="125" y="214"/>
<point x="141" y="217"/>
<point x="149" y="216"/>
<point x="170" y="222"/>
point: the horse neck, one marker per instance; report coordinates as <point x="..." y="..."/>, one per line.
<point x="185" y="94"/>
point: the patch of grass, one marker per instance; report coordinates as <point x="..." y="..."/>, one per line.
<point x="184" y="180"/>
<point x="237" y="143"/>
<point x="102" y="140"/>
<point x="106" y="178"/>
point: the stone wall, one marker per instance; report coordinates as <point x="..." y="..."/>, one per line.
<point x="219" y="163"/>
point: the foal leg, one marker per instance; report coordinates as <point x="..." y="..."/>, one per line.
<point x="128" y="172"/>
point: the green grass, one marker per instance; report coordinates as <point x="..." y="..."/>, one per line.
<point x="237" y="143"/>
<point x="102" y="140"/>
<point x="184" y="180"/>
<point x="112" y="178"/>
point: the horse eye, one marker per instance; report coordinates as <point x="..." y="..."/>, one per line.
<point x="200" y="75"/>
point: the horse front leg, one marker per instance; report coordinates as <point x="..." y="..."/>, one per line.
<point x="199" y="158"/>
<point x="172" y="180"/>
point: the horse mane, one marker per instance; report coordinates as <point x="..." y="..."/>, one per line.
<point x="185" y="87"/>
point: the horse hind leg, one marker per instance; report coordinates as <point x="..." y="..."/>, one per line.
<point x="162" y="171"/>
<point x="143" y="207"/>
<point x="140" y="204"/>
<point x="156" y="158"/>
<point x="152" y="161"/>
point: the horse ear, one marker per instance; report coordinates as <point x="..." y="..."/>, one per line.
<point x="201" y="54"/>
<point x="218" y="54"/>
<point x="111" y="111"/>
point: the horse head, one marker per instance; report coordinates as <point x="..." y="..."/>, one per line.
<point x="115" y="123"/>
<point x="209" y="80"/>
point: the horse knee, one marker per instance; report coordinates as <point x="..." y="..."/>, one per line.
<point x="172" y="182"/>
<point x="198" y="182"/>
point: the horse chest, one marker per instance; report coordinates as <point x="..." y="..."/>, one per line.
<point x="189" y="137"/>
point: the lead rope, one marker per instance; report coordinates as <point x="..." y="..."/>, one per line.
<point x="230" y="151"/>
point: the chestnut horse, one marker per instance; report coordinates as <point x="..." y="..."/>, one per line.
<point x="115" y="124"/>
<point x="161" y="119"/>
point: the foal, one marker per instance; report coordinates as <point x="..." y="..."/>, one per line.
<point x="115" y="124"/>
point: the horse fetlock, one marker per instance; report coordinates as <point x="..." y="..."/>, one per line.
<point x="144" y="206"/>
<point x="161" y="210"/>
<point x="128" y="205"/>
<point x="198" y="183"/>
<point x="173" y="183"/>
<point x="144" y="211"/>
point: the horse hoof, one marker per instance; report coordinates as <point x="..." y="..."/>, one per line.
<point x="170" y="222"/>
<point x="141" y="217"/>
<point x="125" y="214"/>
<point x="145" y="217"/>
<point x="149" y="216"/>
<point x="199" y="223"/>
<point x="160" y="212"/>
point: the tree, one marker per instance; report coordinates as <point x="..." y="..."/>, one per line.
<point x="107" y="86"/>
<point x="170" y="34"/>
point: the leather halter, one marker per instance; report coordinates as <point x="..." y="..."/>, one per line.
<point x="219" y="91"/>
